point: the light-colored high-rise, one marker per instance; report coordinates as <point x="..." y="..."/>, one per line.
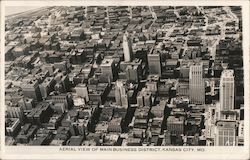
<point x="225" y="133"/>
<point x="121" y="96"/>
<point x="107" y="69"/>
<point x="227" y="90"/>
<point x="82" y="91"/>
<point x="127" y="48"/>
<point x="196" y="84"/>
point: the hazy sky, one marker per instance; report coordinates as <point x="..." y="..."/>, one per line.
<point x="9" y="10"/>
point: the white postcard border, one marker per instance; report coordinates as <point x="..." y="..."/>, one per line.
<point x="49" y="152"/>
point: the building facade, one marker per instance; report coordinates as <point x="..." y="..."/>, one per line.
<point x="154" y="62"/>
<point x="107" y="67"/>
<point x="121" y="96"/>
<point x="127" y="48"/>
<point x="225" y="132"/>
<point x="196" y="84"/>
<point x="227" y="90"/>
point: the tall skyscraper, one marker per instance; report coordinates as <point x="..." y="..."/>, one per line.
<point x="154" y="62"/>
<point x="121" y="96"/>
<point x="227" y="90"/>
<point x="127" y="48"/>
<point x="196" y="84"/>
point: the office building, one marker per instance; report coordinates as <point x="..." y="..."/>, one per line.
<point x="127" y="48"/>
<point x="227" y="90"/>
<point x="31" y="90"/>
<point x="12" y="126"/>
<point x="63" y="98"/>
<point x="175" y="125"/>
<point x="144" y="98"/>
<point x="26" y="103"/>
<point x="82" y="91"/>
<point x="14" y="112"/>
<point x="107" y="67"/>
<point x="196" y="84"/>
<point x="152" y="83"/>
<point x="154" y="62"/>
<point x="121" y="96"/>
<point x="225" y="133"/>
<point x="132" y="73"/>
<point x="47" y="86"/>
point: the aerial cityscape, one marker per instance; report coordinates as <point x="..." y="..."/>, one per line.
<point x="124" y="76"/>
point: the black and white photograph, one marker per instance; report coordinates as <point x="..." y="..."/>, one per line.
<point x="128" y="76"/>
